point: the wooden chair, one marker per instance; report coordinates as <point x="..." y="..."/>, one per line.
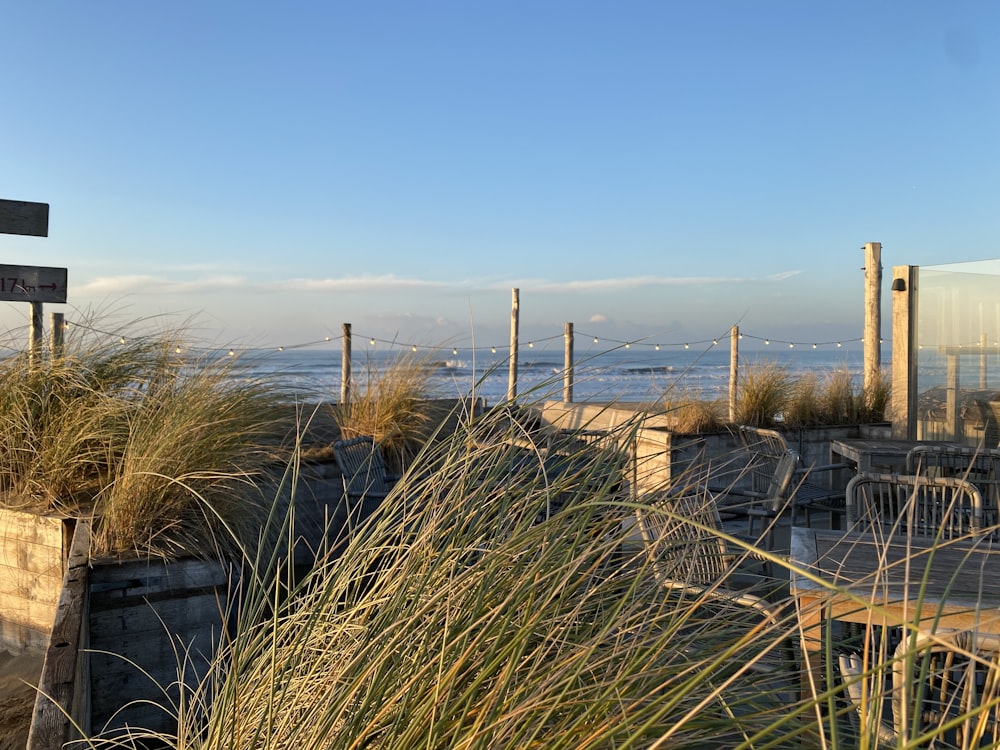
<point x="366" y="482"/>
<point x="916" y="505"/>
<point x="981" y="466"/>
<point x="780" y="481"/>
<point x="361" y="463"/>
<point x="934" y="681"/>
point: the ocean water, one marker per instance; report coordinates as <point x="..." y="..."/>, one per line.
<point x="635" y="374"/>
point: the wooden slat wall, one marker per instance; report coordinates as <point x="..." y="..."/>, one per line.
<point x="147" y="614"/>
<point x="31" y="572"/>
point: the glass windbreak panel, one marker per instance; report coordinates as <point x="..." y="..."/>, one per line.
<point x="958" y="353"/>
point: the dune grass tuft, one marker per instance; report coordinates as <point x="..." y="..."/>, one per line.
<point x="159" y="448"/>
<point x="763" y="393"/>
<point x="388" y="404"/>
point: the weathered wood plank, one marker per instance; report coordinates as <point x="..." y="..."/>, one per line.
<point x="31" y="527"/>
<point x="24" y="217"/>
<point x="140" y="618"/>
<point x="142" y="577"/>
<point x="58" y="695"/>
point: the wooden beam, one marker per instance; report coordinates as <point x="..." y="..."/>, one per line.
<point x="24" y="217"/>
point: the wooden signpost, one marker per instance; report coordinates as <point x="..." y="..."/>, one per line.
<point x="24" y="217"/>
<point x="31" y="284"/>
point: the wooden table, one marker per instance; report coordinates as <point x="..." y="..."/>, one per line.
<point x="880" y="583"/>
<point x="886" y="456"/>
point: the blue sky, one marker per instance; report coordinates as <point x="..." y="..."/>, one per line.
<point x="270" y="171"/>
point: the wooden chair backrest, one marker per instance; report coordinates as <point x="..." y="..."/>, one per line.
<point x="360" y="461"/>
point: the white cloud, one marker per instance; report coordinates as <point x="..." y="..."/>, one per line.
<point x="598" y="318"/>
<point x="136" y="284"/>
<point x="165" y="284"/>
<point x="357" y="284"/>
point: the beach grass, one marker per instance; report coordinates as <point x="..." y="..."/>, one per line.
<point x="159" y="448"/>
<point x="769" y="395"/>
<point x="497" y="602"/>
<point x="497" y="599"/>
<point x="387" y="404"/>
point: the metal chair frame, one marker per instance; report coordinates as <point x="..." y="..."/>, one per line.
<point x="945" y="507"/>
<point x="779" y="478"/>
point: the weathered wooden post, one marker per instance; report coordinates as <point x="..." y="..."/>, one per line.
<point x="983" y="361"/>
<point x="873" y="318"/>
<point x="734" y="370"/>
<point x="903" y="408"/>
<point x="514" y="323"/>
<point x="345" y="365"/>
<point x="37" y="333"/>
<point x="57" y="335"/>
<point x="568" y="363"/>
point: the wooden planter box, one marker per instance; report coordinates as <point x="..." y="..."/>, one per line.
<point x="661" y="456"/>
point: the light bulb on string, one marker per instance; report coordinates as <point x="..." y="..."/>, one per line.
<point x="371" y="342"/>
<point x="686" y="346"/>
<point x="493" y="349"/>
<point x="454" y="352"/>
<point x="791" y="345"/>
<point x="657" y="347"/>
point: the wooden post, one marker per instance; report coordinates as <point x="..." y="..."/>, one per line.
<point x="514" y="323"/>
<point x="873" y="317"/>
<point x="568" y="364"/>
<point x="36" y="333"/>
<point x="57" y="335"/>
<point x="903" y="407"/>
<point x="952" y="398"/>
<point x="983" y="361"/>
<point x="734" y="370"/>
<point x="345" y="365"/>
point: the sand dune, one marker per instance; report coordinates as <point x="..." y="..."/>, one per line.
<point x="19" y="676"/>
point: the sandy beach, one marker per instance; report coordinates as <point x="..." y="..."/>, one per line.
<point x="18" y="677"/>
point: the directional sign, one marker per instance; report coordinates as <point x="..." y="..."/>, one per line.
<point x="24" y="217"/>
<point x="32" y="284"/>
